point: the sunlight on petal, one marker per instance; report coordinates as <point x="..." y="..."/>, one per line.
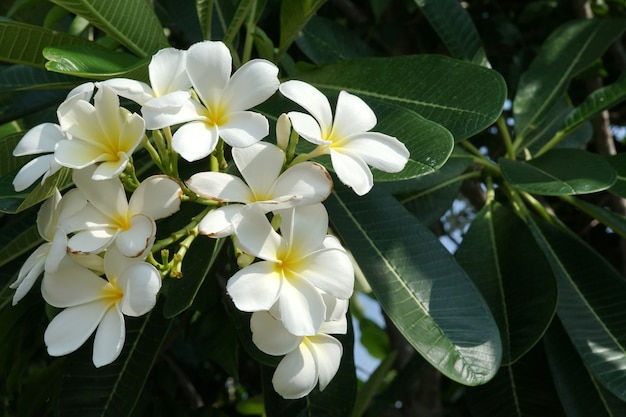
<point x="352" y="171"/>
<point x="296" y="374"/>
<point x="110" y="336"/>
<point x="195" y="140"/>
<point x="255" y="287"/>
<point x="311" y="99"/>
<point x="270" y="336"/>
<point x="244" y="128"/>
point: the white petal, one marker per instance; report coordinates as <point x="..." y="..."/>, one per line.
<point x="209" y="65"/>
<point x="88" y="217"/>
<point x="143" y="283"/>
<point x="352" y="171"/>
<point x="167" y="71"/>
<point x="327" y="352"/>
<point x="244" y="128"/>
<point x="307" y="180"/>
<point x="220" y="186"/>
<point x="156" y="197"/>
<point x="171" y="110"/>
<point x="296" y="374"/>
<point x="352" y="116"/>
<point x="31" y="171"/>
<point x="46" y="216"/>
<point x="72" y="203"/>
<point x="41" y="138"/>
<point x="283" y="131"/>
<point x="134" y="90"/>
<point x="302" y="309"/>
<point x="307" y="128"/>
<point x="259" y="165"/>
<point x="304" y="228"/>
<point x="134" y="241"/>
<point x="378" y="150"/>
<point x="71" y="285"/>
<point x="270" y="336"/>
<point x="107" y="105"/>
<point x="108" y="196"/>
<point x="91" y="241"/>
<point x="256" y="235"/>
<point x="338" y="326"/>
<point x="69" y="329"/>
<point x="218" y="223"/>
<point x="133" y="129"/>
<point x="30" y="271"/>
<point x="110" y="336"/>
<point x="311" y="99"/>
<point x="78" y="154"/>
<point x="116" y="263"/>
<point x="111" y="169"/>
<point x="251" y="85"/>
<point x="330" y="270"/>
<point x="195" y="140"/>
<point x="58" y="250"/>
<point x="255" y="287"/>
<point x="83" y="91"/>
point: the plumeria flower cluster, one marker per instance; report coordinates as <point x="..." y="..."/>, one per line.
<point x="98" y="261"/>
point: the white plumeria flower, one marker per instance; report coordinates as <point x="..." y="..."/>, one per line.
<point x="43" y="139"/>
<point x="168" y="81"/>
<point x="103" y="133"/>
<point x="110" y="217"/>
<point x="260" y="165"/>
<point x="224" y="101"/>
<point x="294" y="269"/>
<point x="347" y="137"/>
<point x="92" y="303"/>
<point x="48" y="255"/>
<point x="308" y="359"/>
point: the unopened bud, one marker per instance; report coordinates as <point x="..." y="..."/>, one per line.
<point x="283" y="130"/>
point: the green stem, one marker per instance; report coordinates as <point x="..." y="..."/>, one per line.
<point x="154" y="155"/>
<point x="539" y="208"/>
<point x="516" y="201"/>
<point x="250" y="27"/>
<point x="181" y="233"/>
<point x="176" y="270"/>
<point x="506" y="137"/>
<point x="560" y="135"/>
<point x="320" y="150"/>
<point x="462" y="177"/>
<point x="208" y="20"/>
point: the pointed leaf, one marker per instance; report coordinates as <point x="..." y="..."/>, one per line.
<point x="132" y="22"/>
<point x="21" y="43"/>
<point x="294" y="15"/>
<point x="567" y="51"/>
<point x="523" y="389"/>
<point x="499" y="254"/>
<point x="17" y="237"/>
<point x="113" y="390"/>
<point x="590" y="306"/>
<point x="19" y="104"/>
<point x="435" y="87"/>
<point x="419" y="285"/>
<point x="580" y="394"/>
<point x="95" y="63"/>
<point x="14" y="202"/>
<point x="615" y="221"/>
<point x="560" y="172"/>
<point x="23" y="78"/>
<point x="454" y="26"/>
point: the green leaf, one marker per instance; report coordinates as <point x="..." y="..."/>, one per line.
<point x="523" y="389"/>
<point x="597" y="102"/>
<point x="8" y="162"/>
<point x="618" y="162"/>
<point x="197" y="264"/>
<point x="14" y="202"/>
<point x="241" y="13"/>
<point x="605" y="216"/>
<point x="454" y="26"/>
<point x="16" y="105"/>
<point x="21" y="43"/>
<point x="560" y="172"/>
<point x="422" y="289"/>
<point x="578" y="390"/>
<point x="132" y="22"/>
<point x="93" y="62"/>
<point x="373" y="384"/>
<point x="324" y="41"/>
<point x="24" y="78"/>
<point x="590" y="306"/>
<point x="436" y="87"/>
<point x="18" y="236"/>
<point x="113" y="390"/>
<point x="294" y="15"/>
<point x="567" y="51"/>
<point x="499" y="254"/>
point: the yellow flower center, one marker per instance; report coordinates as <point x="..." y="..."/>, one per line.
<point x="113" y="291"/>
<point x="216" y="115"/>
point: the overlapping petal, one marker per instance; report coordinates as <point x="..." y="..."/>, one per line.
<point x="157" y="197"/>
<point x="251" y="85"/>
<point x="110" y="336"/>
<point x="195" y="140"/>
<point x="327" y="352"/>
<point x="256" y="287"/>
<point x="72" y="285"/>
<point x="270" y="336"/>
<point x="296" y="375"/>
<point x="302" y="309"/>
<point x="312" y="100"/>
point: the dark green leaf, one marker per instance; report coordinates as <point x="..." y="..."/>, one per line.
<point x="435" y="87"/>
<point x="523" y="389"/>
<point x="615" y="221"/>
<point x="454" y="26"/>
<point x="196" y="266"/>
<point x="113" y="390"/>
<point x="19" y="104"/>
<point x="323" y="41"/>
<point x="21" y="43"/>
<point x="23" y="78"/>
<point x="18" y="236"/>
<point x="560" y="172"/>
<point x="294" y="15"/>
<point x="241" y="13"/>
<point x="499" y="254"/>
<point x="569" y="50"/>
<point x="579" y="392"/>
<point x="590" y="306"/>
<point x="91" y="61"/>
<point x="14" y="202"/>
<point x="419" y="285"/>
<point x="132" y="22"/>
<point x="373" y="384"/>
<point x="618" y="162"/>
